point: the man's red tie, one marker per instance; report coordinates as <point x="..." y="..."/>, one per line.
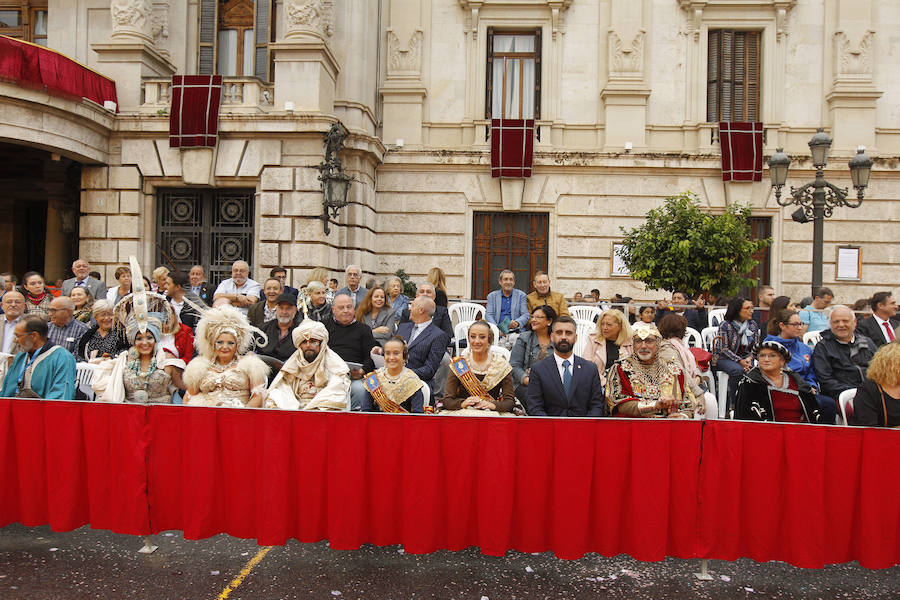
<point x="890" y="332"/>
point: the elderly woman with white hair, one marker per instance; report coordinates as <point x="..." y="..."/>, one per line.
<point x="314" y="297"/>
<point x="224" y="372"/>
<point x="103" y="339"/>
<point x="610" y="341"/>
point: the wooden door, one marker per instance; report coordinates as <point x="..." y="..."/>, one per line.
<point x="515" y="241"/>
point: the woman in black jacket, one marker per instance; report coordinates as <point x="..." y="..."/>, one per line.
<point x="877" y="401"/>
<point x="772" y="392"/>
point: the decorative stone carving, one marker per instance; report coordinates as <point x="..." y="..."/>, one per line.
<point x="160" y="27"/>
<point x="309" y="17"/>
<point x="626" y="58"/>
<point x="407" y="59"/>
<point x="131" y="18"/>
<point x="853" y="59"/>
<point x="474" y="7"/>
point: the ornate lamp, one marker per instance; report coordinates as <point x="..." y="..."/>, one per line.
<point x="335" y="183"/>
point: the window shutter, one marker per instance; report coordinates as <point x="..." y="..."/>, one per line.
<point x="713" y="65"/>
<point x="207" y="62"/>
<point x="738" y="112"/>
<point x="537" y="75"/>
<point x="752" y="78"/>
<point x="489" y="74"/>
<point x="727" y="79"/>
<point x="261" y="54"/>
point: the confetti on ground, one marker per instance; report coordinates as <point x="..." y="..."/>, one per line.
<point x="485" y="598"/>
<point x="214" y="572"/>
<point x="53" y="549"/>
<point x="746" y="589"/>
<point x="245" y="554"/>
<point x="169" y="534"/>
<point x="335" y="593"/>
<point x="724" y="577"/>
<point x="401" y="551"/>
<point x="529" y="570"/>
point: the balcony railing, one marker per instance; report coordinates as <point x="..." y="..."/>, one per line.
<point x="239" y="95"/>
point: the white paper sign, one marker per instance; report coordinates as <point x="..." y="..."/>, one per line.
<point x="618" y="265"/>
<point x="848" y="263"/>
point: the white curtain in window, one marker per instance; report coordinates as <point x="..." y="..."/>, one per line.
<point x="248" y="52"/>
<point x="512" y="96"/>
<point x="226" y="63"/>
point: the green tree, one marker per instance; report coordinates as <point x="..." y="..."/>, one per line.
<point x="680" y="247"/>
<point x="409" y="287"/>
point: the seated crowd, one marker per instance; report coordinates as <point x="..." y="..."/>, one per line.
<point x="172" y="338"/>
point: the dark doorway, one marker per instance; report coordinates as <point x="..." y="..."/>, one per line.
<point x="212" y="228"/>
<point x="760" y="229"/>
<point x="515" y="241"/>
<point x="39" y="201"/>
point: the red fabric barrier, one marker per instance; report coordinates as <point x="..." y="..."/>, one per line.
<point x="808" y="495"/>
<point x="512" y="147"/>
<point x="742" y="150"/>
<point x="67" y="464"/>
<point x="30" y="65"/>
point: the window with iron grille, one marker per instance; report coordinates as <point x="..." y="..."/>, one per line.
<point x="211" y="228"/>
<point x="514" y="241"/>
<point x="513" y="89"/>
<point x="732" y="76"/>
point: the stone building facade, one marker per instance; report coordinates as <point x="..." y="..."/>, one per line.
<point x="620" y="91"/>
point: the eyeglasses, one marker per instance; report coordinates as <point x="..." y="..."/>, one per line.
<point x="795" y="324"/>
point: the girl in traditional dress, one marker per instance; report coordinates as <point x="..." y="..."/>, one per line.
<point x="480" y="381"/>
<point x="393" y="387"/>
<point x="223" y="373"/>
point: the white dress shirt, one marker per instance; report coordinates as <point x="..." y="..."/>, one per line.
<point x="561" y="368"/>
<point x="8" y="333"/>
<point x="417" y="329"/>
<point x="881" y="323"/>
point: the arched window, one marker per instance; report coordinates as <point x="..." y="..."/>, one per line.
<point x="235" y="39"/>
<point x="24" y="19"/>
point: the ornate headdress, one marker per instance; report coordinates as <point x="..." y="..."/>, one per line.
<point x="226" y="319"/>
<point x="645" y="330"/>
<point x="309" y="329"/>
<point x="777" y="347"/>
<point x="143" y="310"/>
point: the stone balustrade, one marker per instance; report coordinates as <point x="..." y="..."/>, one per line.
<point x="239" y="95"/>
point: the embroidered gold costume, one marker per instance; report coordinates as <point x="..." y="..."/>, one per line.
<point x="631" y="380"/>
<point x="390" y="393"/>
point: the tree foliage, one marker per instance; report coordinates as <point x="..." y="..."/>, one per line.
<point x="680" y="247"/>
<point x="409" y="287"/>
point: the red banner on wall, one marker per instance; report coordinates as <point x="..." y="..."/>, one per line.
<point x="808" y="495"/>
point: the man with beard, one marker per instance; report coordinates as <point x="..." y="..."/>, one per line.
<point x="42" y="369"/>
<point x="564" y="385"/>
<point x="646" y="385"/>
<point x="279" y="329"/>
<point x="314" y="377"/>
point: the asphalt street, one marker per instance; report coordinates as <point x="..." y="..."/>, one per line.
<point x="38" y="564"/>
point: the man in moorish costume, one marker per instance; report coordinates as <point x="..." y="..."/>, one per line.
<point x="314" y="377"/>
<point x="646" y="385"/>
<point x="41" y="369"/>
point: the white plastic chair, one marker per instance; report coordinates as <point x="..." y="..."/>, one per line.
<point x="722" y="397"/>
<point x="811" y="338"/>
<point x="845" y="400"/>
<point x="84" y="375"/>
<point x="693" y="338"/>
<point x="504" y="352"/>
<point x="582" y="329"/>
<point x="584" y="313"/>
<point x="465" y="311"/>
<point x="461" y="332"/>
<point x="708" y="335"/>
<point x="716" y="317"/>
<point x="426" y="394"/>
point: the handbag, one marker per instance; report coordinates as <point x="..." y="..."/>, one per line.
<point x="702" y="357"/>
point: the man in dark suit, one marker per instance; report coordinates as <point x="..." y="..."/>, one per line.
<point x="199" y="285"/>
<point x="426" y="341"/>
<point x="441" y="316"/>
<point x="881" y="327"/>
<point x="82" y="268"/>
<point x="564" y="385"/>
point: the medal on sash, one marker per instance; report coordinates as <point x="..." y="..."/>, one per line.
<point x="468" y="379"/>
<point x="373" y="385"/>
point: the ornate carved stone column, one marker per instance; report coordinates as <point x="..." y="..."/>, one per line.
<point x="853" y="95"/>
<point x="130" y="53"/>
<point x="626" y="92"/>
<point x="305" y="67"/>
<point x="403" y="91"/>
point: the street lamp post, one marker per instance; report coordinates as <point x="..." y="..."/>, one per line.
<point x="818" y="198"/>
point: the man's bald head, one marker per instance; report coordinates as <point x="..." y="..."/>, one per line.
<point x="425" y="289"/>
<point x="13" y="304"/>
<point x="842" y="322"/>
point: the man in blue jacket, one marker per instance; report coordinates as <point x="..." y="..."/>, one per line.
<point x="42" y="369"/>
<point x="507" y="308"/>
